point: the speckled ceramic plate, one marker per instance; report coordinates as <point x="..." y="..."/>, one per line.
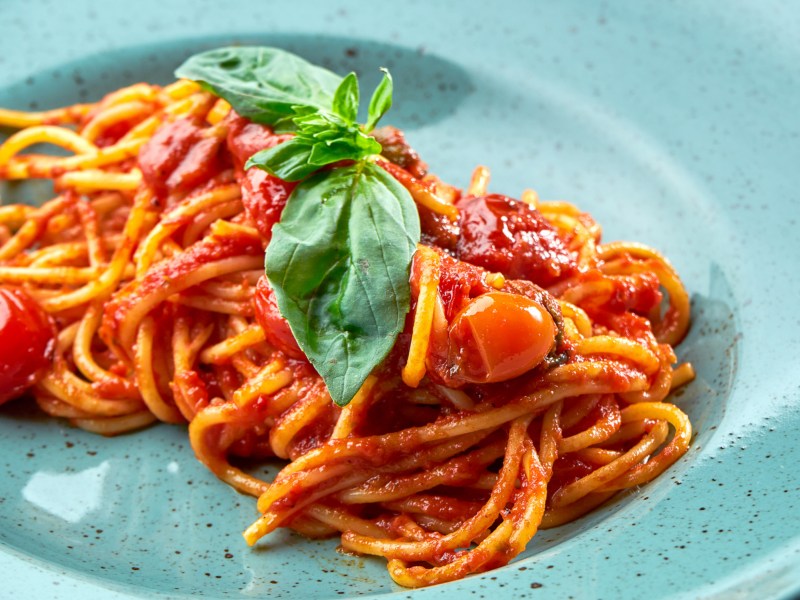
<point x="675" y="125"/>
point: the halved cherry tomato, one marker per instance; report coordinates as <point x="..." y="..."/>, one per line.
<point x="276" y="328"/>
<point x="27" y="342"/>
<point x="499" y="336"/>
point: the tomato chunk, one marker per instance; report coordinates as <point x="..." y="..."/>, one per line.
<point x="499" y="336"/>
<point x="27" y="342"/>
<point x="179" y="157"/>
<point x="276" y="328"/>
<point x="263" y="195"/>
<point x="505" y="235"/>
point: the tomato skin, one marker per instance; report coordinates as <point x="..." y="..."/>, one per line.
<point x="498" y="336"/>
<point x="501" y="234"/>
<point x="179" y="157"/>
<point x="27" y="342"/>
<point x="276" y="328"/>
<point x="263" y="194"/>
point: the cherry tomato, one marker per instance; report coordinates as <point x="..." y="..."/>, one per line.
<point x="499" y="336"/>
<point x="276" y="328"/>
<point x="27" y="342"/>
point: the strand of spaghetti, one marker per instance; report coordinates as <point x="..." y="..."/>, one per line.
<point x="553" y="517"/>
<point x="139" y="305"/>
<point x="598" y="433"/>
<point x="419" y="191"/>
<point x="676" y="321"/>
<point x="67" y="115"/>
<point x="27" y="166"/>
<point x="188" y="390"/>
<point x="646" y="446"/>
<point x="550" y="438"/>
<point x="529" y="509"/>
<point x="95" y="179"/>
<point x="56" y="408"/>
<point x="662" y="383"/>
<point x="35" y="224"/>
<point x="145" y="376"/>
<point x="200" y="429"/>
<point x="289" y="424"/>
<point x="110" y="278"/>
<point x="491" y="549"/>
<point x="82" y="356"/>
<point x="228" y="290"/>
<point x="463" y="536"/>
<point x="15" y="215"/>
<point x="427" y="262"/>
<point x="332" y="478"/>
<point x="622" y="347"/>
<point x="116" y="425"/>
<point x="64" y="385"/>
<point x="342" y="520"/>
<point x="124" y="111"/>
<point x="213" y="216"/>
<point x="479" y="182"/>
<point x="657" y="464"/>
<point x="272" y="377"/>
<point x="91" y="231"/>
<point x="49" y="275"/>
<point x="457" y="471"/>
<point x="598" y="456"/>
<point x="222" y="351"/>
<point x="681" y="375"/>
<point x="577" y="410"/>
<point x="578" y="316"/>
<point x="587" y="378"/>
<point x="137" y="91"/>
<point x="44" y="134"/>
<point x="445" y="507"/>
<point x="181" y="89"/>
<point x="355" y="410"/>
<point x="218" y="112"/>
<point x="423" y="459"/>
<point x="178" y="217"/>
<point x="212" y="304"/>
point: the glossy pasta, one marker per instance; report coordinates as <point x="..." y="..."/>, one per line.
<point x="149" y="271"/>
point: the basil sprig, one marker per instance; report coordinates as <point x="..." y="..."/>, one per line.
<point x="262" y="84"/>
<point x="340" y="257"/>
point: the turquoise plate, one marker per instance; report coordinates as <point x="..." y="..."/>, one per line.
<point x="675" y="124"/>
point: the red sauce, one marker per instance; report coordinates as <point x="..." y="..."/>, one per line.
<point x="180" y="157"/>
<point x="566" y="470"/>
<point x="205" y="251"/>
<point x="513" y="238"/>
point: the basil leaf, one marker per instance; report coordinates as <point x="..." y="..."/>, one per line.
<point x="288" y="161"/>
<point x="261" y="83"/>
<point x="339" y="263"/>
<point x="381" y="101"/>
<point x="345" y="100"/>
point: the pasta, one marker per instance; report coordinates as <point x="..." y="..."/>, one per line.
<point x="149" y="262"/>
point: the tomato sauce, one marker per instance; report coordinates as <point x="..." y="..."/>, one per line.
<point x="180" y="156"/>
<point x="513" y="238"/>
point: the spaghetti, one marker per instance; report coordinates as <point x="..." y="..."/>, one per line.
<point x="456" y="450"/>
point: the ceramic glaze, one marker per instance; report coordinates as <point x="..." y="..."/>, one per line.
<point x="674" y="125"/>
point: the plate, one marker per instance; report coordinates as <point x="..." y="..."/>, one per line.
<point x="674" y="125"/>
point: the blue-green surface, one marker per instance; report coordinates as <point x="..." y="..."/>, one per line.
<point x="674" y="124"/>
